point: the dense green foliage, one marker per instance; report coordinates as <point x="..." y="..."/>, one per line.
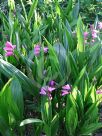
<point x="54" y="42"/>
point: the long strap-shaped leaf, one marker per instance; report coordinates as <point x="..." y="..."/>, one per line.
<point x="24" y="10"/>
<point x="31" y="12"/>
<point x="9" y="70"/>
<point x="80" y="45"/>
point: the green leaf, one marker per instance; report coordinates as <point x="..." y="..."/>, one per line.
<point x="9" y="104"/>
<point x="74" y="67"/>
<point x="85" y="86"/>
<point x="14" y="112"/>
<point x="9" y="70"/>
<point x="61" y="53"/>
<point x="94" y="54"/>
<point x="4" y="128"/>
<point x="17" y="94"/>
<point x="18" y="41"/>
<point x="71" y="121"/>
<point x="3" y="16"/>
<point x="59" y="11"/>
<point x="40" y="68"/>
<point x="79" y="76"/>
<point x="29" y="121"/>
<point x="95" y="71"/>
<point x="24" y="10"/>
<point x="79" y="101"/>
<point x="3" y="102"/>
<point x="69" y="7"/>
<point x="87" y="129"/>
<point x="9" y="110"/>
<point x="31" y="12"/>
<point x="70" y="102"/>
<point x="54" y="61"/>
<point x="80" y="45"/>
<point x="46" y="110"/>
<point x="75" y="11"/>
<point x="54" y="125"/>
<point x="69" y="38"/>
<point x="91" y="114"/>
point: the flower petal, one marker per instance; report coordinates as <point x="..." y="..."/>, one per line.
<point x="8" y="49"/>
<point x="66" y="87"/>
<point x="50" y="89"/>
<point x="52" y="83"/>
<point x="37" y="49"/>
<point x="43" y="91"/>
<point x="8" y="44"/>
<point x="9" y="53"/>
<point x="65" y="92"/>
<point x="45" y="49"/>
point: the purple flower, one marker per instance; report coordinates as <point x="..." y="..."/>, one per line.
<point x="43" y="91"/>
<point x="100" y="25"/>
<point x="47" y="91"/>
<point x="94" y="33"/>
<point x="45" y="49"/>
<point x="66" y="89"/>
<point x="52" y="83"/>
<point x="50" y="89"/>
<point x="86" y="35"/>
<point x="99" y="91"/>
<point x="65" y="92"/>
<point x="9" y="48"/>
<point x="37" y="50"/>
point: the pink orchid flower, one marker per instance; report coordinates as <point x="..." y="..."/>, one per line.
<point x="38" y="48"/>
<point x="9" y="48"/>
<point x="66" y="90"/>
<point x="47" y="91"/>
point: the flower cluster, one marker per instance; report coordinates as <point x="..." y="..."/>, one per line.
<point x="9" y="48"/>
<point x="37" y="50"/>
<point x="47" y="90"/>
<point x="93" y="33"/>
<point x="66" y="89"/>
